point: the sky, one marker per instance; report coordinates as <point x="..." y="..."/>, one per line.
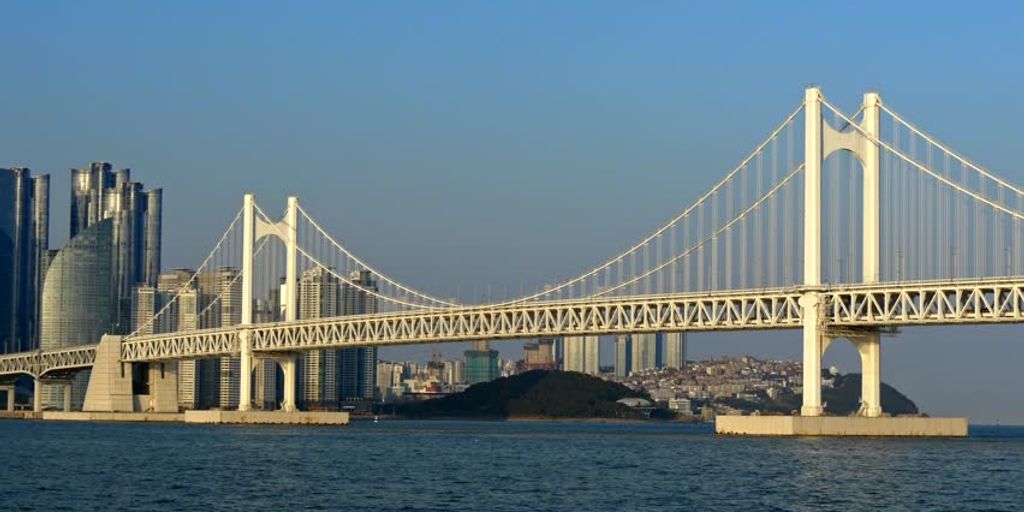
<point x="467" y="146"/>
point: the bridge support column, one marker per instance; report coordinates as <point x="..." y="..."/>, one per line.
<point x="815" y="343"/>
<point x="110" y="383"/>
<point x="67" y="397"/>
<point x="37" y="395"/>
<point x="245" y="372"/>
<point x="869" y="159"/>
<point x="10" y="397"/>
<point x="291" y="298"/>
<point x="869" y="346"/>
<point x="248" y="254"/>
<point x="812" y="186"/>
<point x="287" y="363"/>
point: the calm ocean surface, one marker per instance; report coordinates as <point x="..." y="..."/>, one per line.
<point x="421" y="466"/>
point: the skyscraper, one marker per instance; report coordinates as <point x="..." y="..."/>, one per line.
<point x="675" y="349"/>
<point x="319" y="296"/>
<point x="97" y="194"/>
<point x="219" y="377"/>
<point x="77" y="305"/>
<point x="265" y="380"/>
<point x="582" y="354"/>
<point x="24" y="241"/>
<point x="454" y="371"/>
<point x="481" y="363"/>
<point x="147" y="302"/>
<point x="358" y="366"/>
<point x="540" y="355"/>
<point x="623" y="355"/>
<point x="644" y="352"/>
<point x="181" y="315"/>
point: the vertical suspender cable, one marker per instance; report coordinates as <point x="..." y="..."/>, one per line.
<point x="713" y="285"/>
<point x="832" y="210"/>
<point x="744" y="259"/>
<point x="789" y="225"/>
<point x="701" y="271"/>
<point x="675" y="264"/>
<point x="687" y="261"/>
<point x="730" y="194"/>
<point x="850" y="272"/>
<point x="758" y="224"/>
<point x="773" y="253"/>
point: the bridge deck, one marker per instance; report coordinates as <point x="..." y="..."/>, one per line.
<point x="848" y="306"/>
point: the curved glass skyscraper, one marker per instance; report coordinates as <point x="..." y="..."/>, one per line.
<point x="78" y="303"/>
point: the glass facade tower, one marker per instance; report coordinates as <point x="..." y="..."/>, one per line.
<point x="24" y="240"/>
<point x="77" y="306"/>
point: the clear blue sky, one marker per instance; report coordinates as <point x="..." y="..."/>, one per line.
<point x="464" y="144"/>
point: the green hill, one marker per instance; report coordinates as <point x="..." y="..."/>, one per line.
<point x="538" y="393"/>
<point x="843" y="398"/>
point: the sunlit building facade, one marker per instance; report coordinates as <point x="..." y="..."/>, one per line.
<point x="77" y="304"/>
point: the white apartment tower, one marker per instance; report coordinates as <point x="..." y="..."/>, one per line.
<point x="582" y="354"/>
<point x="319" y="296"/>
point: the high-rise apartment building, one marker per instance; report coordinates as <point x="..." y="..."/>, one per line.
<point x="265" y="378"/>
<point x="319" y="296"/>
<point x="220" y="301"/>
<point x="623" y="355"/>
<point x="582" y="354"/>
<point x="645" y="353"/>
<point x="675" y="349"/>
<point x="147" y="303"/>
<point x="24" y="244"/>
<point x="639" y="352"/>
<point x="454" y="372"/>
<point x="181" y="314"/>
<point x="358" y="366"/>
<point x="540" y="355"/>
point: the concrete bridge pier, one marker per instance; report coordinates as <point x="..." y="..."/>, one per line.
<point x="37" y="395"/>
<point x="869" y="346"/>
<point x="10" y="396"/>
<point x="67" y="397"/>
<point x="245" y="367"/>
<point x="816" y="343"/>
<point x="814" y="346"/>
<point x="287" y="363"/>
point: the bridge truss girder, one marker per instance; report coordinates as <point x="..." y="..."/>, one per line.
<point x="850" y="308"/>
<point x="39" y="363"/>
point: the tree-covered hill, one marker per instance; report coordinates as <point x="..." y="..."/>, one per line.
<point x="538" y="393"/>
<point x="840" y="399"/>
<point x="843" y="398"/>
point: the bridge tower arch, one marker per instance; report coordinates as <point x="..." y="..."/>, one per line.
<point x="253" y="229"/>
<point x="820" y="141"/>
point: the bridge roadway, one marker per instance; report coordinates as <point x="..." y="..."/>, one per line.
<point x="844" y="308"/>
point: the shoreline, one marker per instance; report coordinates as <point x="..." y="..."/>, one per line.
<point x="531" y="419"/>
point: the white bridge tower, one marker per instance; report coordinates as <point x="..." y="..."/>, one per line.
<point x="821" y="140"/>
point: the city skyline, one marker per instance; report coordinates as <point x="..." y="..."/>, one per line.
<point x="507" y="256"/>
<point x="664" y="142"/>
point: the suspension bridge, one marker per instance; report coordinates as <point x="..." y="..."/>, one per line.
<point x="843" y="225"/>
